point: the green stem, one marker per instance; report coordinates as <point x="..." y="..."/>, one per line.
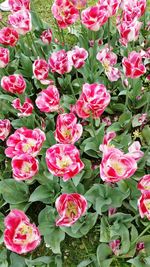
<point x="91" y="120"/>
<point x="77" y="77"/>
<point x="72" y="90"/>
<point x="33" y="42"/>
<point x="59" y="32"/>
<point x="62" y="34"/>
<point x="73" y="186"/>
<point x="143" y="232"/>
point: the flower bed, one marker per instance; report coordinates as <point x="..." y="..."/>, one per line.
<point x="74" y="131"/>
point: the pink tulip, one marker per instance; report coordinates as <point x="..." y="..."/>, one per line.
<point x="8" y="36"/>
<point x="144" y="183"/>
<point x="107" y="57"/>
<point x="68" y="131"/>
<point x="92" y="101"/>
<point x="24" y="140"/>
<point x="79" y="4"/>
<point x="25" y="109"/>
<point x="4" y="57"/>
<point x="21" y="21"/>
<point x="46" y="36"/>
<point x="60" y="62"/>
<point x="40" y="69"/>
<point x="16" y="5"/>
<point x="94" y="17"/>
<point x="144" y="204"/>
<point x="20" y="236"/>
<point x="110" y="5"/>
<point x="133" y="66"/>
<point x="114" y="245"/>
<point x="64" y="160"/>
<point x="4" y="129"/>
<point x="78" y="56"/>
<point x="65" y="13"/>
<point x="48" y="100"/>
<point x="14" y="84"/>
<point x="24" y="167"/>
<point x="134" y="151"/>
<point x="70" y="208"/>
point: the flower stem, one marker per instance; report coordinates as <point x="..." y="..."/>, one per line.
<point x="91" y="120"/>
<point x="143" y="232"/>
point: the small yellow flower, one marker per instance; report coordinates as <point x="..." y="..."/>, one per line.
<point x="136" y="134"/>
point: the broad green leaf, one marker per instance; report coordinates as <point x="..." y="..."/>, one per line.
<point x="40" y="193"/>
<point x="103" y="252"/>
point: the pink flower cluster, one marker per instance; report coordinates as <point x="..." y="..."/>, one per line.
<point x="116" y="165"/>
<point x="23" y="147"/>
<point x="128" y="24"/>
<point x="108" y="59"/>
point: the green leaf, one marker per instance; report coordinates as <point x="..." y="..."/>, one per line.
<point x="146" y="134"/>
<point x="104" y="230"/>
<point x="84" y="263"/>
<point x="7" y="97"/>
<point x="103" y="252"/>
<point x="40" y="193"/>
<point x="14" y="192"/>
<point x="16" y="260"/>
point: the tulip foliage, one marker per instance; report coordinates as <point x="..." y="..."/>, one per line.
<point x="74" y="133"/>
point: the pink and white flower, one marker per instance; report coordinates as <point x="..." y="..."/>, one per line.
<point x="4" y="57"/>
<point x="92" y="101"/>
<point x="144" y="204"/>
<point x="79" y="4"/>
<point x="114" y="245"/>
<point x="24" y="167"/>
<point x="65" y="13"/>
<point x="68" y="131"/>
<point x="20" y="236"/>
<point x="133" y="66"/>
<point x="14" y="84"/>
<point x="70" y="208"/>
<point x="21" y="21"/>
<point x="25" y="140"/>
<point x="111" y="6"/>
<point x="64" y="160"/>
<point x="134" y="150"/>
<point x="46" y="36"/>
<point x="144" y="183"/>
<point x="8" y="36"/>
<point x="5" y="127"/>
<point x="25" y="109"/>
<point x="48" y="100"/>
<point x="16" y="5"/>
<point x="78" y="56"/>
<point x="40" y="69"/>
<point x="60" y="62"/>
<point x="94" y="17"/>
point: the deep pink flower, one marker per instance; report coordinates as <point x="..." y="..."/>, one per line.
<point x="129" y="31"/>
<point x="107" y="57"/>
<point x="16" y="5"/>
<point x="144" y="204"/>
<point x="60" y="62"/>
<point x="140" y="246"/>
<point x="133" y="6"/>
<point x="94" y="17"/>
<point x="48" y="100"/>
<point x="134" y="150"/>
<point x="78" y="56"/>
<point x="24" y="167"/>
<point x="4" y="57"/>
<point x="46" y="36"/>
<point x="92" y="101"/>
<point x="68" y="131"/>
<point x="25" y="109"/>
<point x="110" y="5"/>
<point x="20" y="236"/>
<point x="70" y="208"/>
<point x="65" y="13"/>
<point x="14" y="84"/>
<point x="144" y="183"/>
<point x="133" y="66"/>
<point x="4" y="129"/>
<point x="107" y="121"/>
<point x="21" y="21"/>
<point x="64" y="160"/>
<point x="40" y="69"/>
<point x="25" y="141"/>
<point x="8" y="36"/>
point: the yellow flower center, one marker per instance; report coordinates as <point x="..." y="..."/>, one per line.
<point x="24" y="234"/>
<point x="118" y="167"/>
<point x="28" y="145"/>
<point x="71" y="209"/>
<point x="66" y="132"/>
<point x="26" y="167"/>
<point x="106" y="65"/>
<point x="147" y="204"/>
<point x="64" y="162"/>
